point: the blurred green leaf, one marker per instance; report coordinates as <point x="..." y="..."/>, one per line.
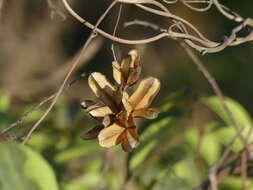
<point x="4" y="102"/>
<point x="234" y="183"/>
<point x="187" y="171"/>
<point x="34" y="116"/>
<point x="238" y="111"/>
<point x="89" y="179"/>
<point x="151" y="136"/>
<point x="171" y="99"/>
<point x="156" y="129"/>
<point x="21" y="168"/>
<point x="85" y="149"/>
<point x="4" y="119"/>
<point x="225" y="136"/>
<point x="42" y="140"/>
<point x="210" y="148"/>
<point x="227" y="133"/>
<point x="141" y="155"/>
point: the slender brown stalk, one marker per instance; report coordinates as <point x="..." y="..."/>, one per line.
<point x="36" y="107"/>
<point x="75" y="63"/>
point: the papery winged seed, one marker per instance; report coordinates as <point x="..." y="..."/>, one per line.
<point x="126" y="145"/>
<point x="134" y="68"/>
<point x="109" y="135"/>
<point x="148" y="113"/>
<point x="132" y="137"/>
<point x="122" y="119"/>
<point x="93" y="133"/>
<point x="121" y="137"/>
<point x="145" y="93"/>
<point x="134" y="75"/>
<point x="133" y="131"/>
<point x="117" y="75"/>
<point x="135" y="57"/>
<point x="87" y="103"/>
<point x="100" y="111"/>
<point x="125" y="68"/>
<point x="118" y="96"/>
<point x="102" y="88"/>
<point x="125" y="100"/>
<point x="128" y="72"/>
<point x="107" y="120"/>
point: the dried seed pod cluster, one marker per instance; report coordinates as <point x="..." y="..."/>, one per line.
<point x="117" y="109"/>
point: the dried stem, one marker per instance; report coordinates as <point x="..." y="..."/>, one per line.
<point x="233" y="167"/>
<point x="195" y="40"/>
<point x="215" y="88"/>
<point x="55" y="10"/>
<point x="75" y="63"/>
<point x="36" y="107"/>
<point x="114" y="33"/>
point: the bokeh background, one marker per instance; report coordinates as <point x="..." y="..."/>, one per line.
<point x="37" y="47"/>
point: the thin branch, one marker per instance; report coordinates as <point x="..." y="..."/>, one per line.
<point x="210" y="80"/>
<point x="215" y="88"/>
<point x="198" y="42"/>
<point x="114" y="32"/>
<point x="231" y="168"/>
<point x="104" y="170"/>
<point x="244" y="166"/>
<point x="36" y="107"/>
<point x="55" y="10"/>
<point x="142" y="23"/>
<point x="75" y="63"/>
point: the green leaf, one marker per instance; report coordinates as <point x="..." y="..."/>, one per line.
<point x="141" y="155"/>
<point x="234" y="183"/>
<point x="4" y="102"/>
<point x="225" y="136"/>
<point x="240" y="114"/>
<point x="187" y="171"/>
<point x="21" y="168"/>
<point x="42" y="140"/>
<point x="89" y="179"/>
<point x="88" y="147"/>
<point x="210" y="148"/>
<point x="34" y="116"/>
<point x="227" y="133"/>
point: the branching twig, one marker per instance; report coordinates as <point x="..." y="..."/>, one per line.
<point x="196" y="40"/>
<point x="55" y="10"/>
<point x="231" y="168"/>
<point x="213" y="170"/>
<point x="75" y="63"/>
<point x="215" y="88"/>
<point x="208" y="77"/>
<point x="114" y="32"/>
<point x="36" y="107"/>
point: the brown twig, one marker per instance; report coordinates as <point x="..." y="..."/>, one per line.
<point x="244" y="166"/>
<point x="55" y="10"/>
<point x="196" y="40"/>
<point x="36" y="107"/>
<point x="104" y="170"/>
<point x="233" y="167"/>
<point x="114" y="32"/>
<point x="218" y="92"/>
<point x="142" y="23"/>
<point x="215" y="88"/>
<point x="208" y="77"/>
<point x="75" y="63"/>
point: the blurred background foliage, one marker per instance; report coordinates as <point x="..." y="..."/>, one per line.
<point x="176" y="149"/>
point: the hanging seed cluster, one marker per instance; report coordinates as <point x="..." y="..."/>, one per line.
<point x="116" y="109"/>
